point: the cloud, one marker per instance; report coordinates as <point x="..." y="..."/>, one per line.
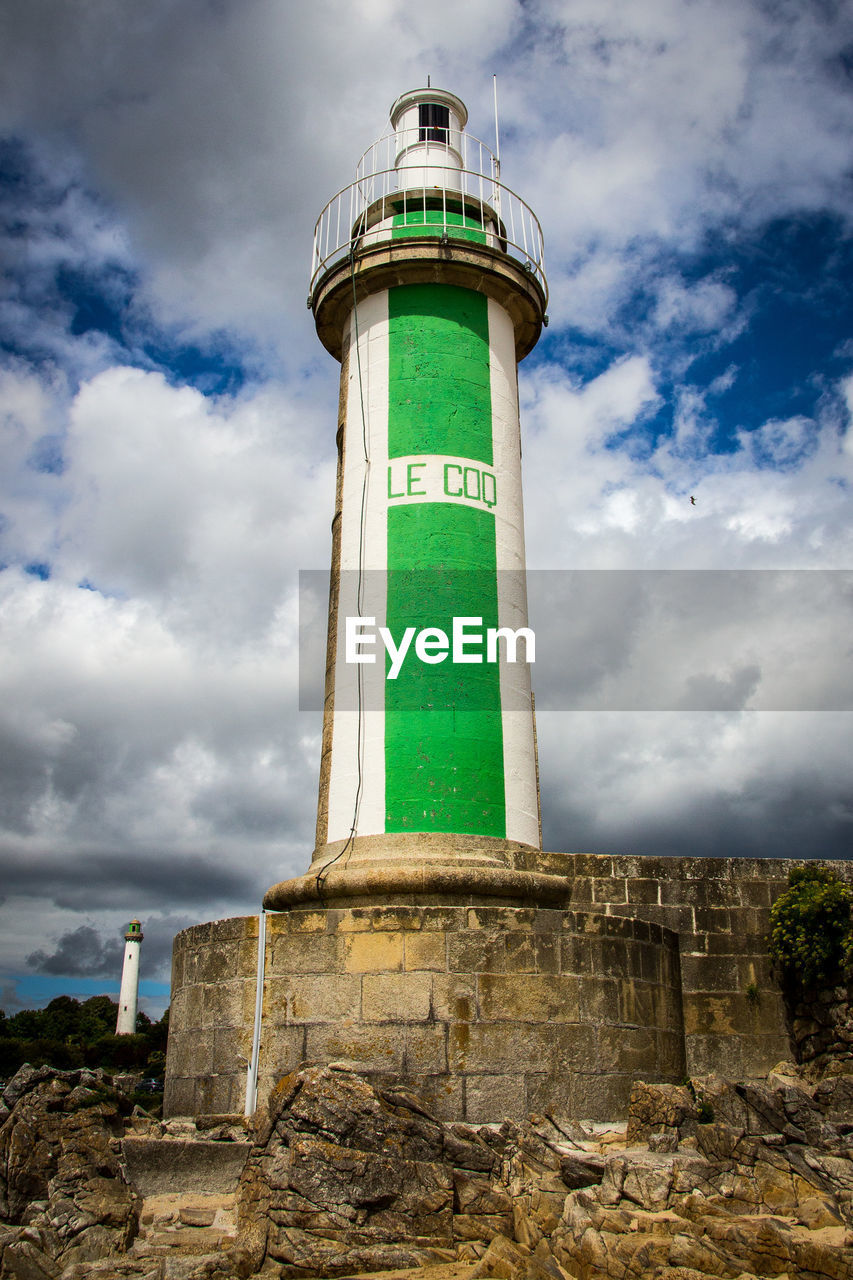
<point x="193" y="497"/>
<point x="646" y="143"/>
<point x="167" y="432"/>
<point x="701" y="640"/>
<point x="701" y="308"/>
<point x="10" y="1001"/>
<point x="703" y="785"/>
<point x="79" y="953"/>
<point x="782" y="443"/>
<point x="86" y="952"/>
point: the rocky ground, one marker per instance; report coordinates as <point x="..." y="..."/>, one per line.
<point x="340" y="1178"/>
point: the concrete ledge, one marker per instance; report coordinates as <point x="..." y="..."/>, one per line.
<point x="428" y="848"/>
<point x="404" y="884"/>
<point x="425" y="260"/>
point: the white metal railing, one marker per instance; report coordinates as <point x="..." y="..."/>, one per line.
<point x="472" y="154"/>
<point x="408" y="186"/>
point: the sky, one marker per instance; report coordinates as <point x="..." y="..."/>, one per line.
<point x="167" y="424"/>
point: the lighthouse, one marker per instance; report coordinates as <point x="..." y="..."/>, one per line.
<point x="127" y="1000"/>
<point x="428" y="286"/>
<point x="432" y="941"/>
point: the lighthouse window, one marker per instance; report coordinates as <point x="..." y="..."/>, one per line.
<point x="434" y="122"/>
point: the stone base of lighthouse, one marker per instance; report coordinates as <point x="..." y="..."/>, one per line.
<point x="487" y="1011"/>
<point x="492" y="1007"/>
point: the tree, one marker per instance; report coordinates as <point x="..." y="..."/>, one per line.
<point x="97" y="1017"/>
<point x="25" y="1024"/>
<point x="69" y="1034"/>
<point x="61" y="1019"/>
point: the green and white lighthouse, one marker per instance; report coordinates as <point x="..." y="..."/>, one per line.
<point x="432" y="943"/>
<point x="428" y="285"/>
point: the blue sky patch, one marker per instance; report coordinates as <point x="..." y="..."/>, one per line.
<point x="783" y="342"/>
<point x="60" y="288"/>
<point x="35" y="990"/>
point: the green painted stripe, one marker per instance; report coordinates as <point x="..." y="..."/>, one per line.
<point x="443" y="730"/>
<point x="460" y="226"/>
<point x="439" y="391"/>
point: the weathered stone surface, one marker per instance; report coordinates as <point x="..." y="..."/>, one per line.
<point x="834" y="1097"/>
<point x="354" y="1181"/>
<point x="658" y="1108"/>
<point x="60" y="1172"/>
<point x="822" y="1027"/>
<point x="26" y="1255"/>
<point x="345" y="1178"/>
<point x="730" y="1202"/>
<point x="197" y="1217"/>
<point x="581" y="1169"/>
<point x="183" y="1164"/>
<point x="507" y="1009"/>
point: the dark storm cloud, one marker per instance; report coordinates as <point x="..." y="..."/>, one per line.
<point x="80" y="953"/>
<point x="804" y="818"/>
<point x="155" y="961"/>
<point x="703" y="640"/>
<point x="703" y="785"/>
<point x="139" y="880"/>
<point x="86" y="952"/>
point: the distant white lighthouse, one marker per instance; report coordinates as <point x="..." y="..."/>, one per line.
<point x="127" y="1000"/>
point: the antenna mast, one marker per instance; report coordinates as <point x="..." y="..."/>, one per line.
<point x="497" y="134"/>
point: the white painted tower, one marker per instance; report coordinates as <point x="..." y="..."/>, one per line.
<point x="428" y="285"/>
<point x="129" y="993"/>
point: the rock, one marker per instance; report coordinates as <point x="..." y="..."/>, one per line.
<point x="21" y="1258"/>
<point x="23" y="1081"/>
<point x="656" y="1108"/>
<point x="503" y="1259"/>
<point x="785" y="1073"/>
<point x="115" y="1269"/>
<point x="349" y="1180"/>
<point x="60" y="1171"/>
<point x="706" y="1216"/>
<point x="817" y="1213"/>
<point x="156" y="1166"/>
<point x="478" y="1195"/>
<point x="345" y="1179"/>
<point x="663" y="1141"/>
<point x="582" y="1169"/>
<point x="465" y="1149"/>
<point x="481" y="1226"/>
<point x="834" y="1097"/>
<point x="506" y="1260"/>
<point x="195" y="1217"/>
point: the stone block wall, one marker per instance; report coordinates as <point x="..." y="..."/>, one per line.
<point x="489" y="1012"/>
<point x="734" y="1017"/>
<point x="211" y="1017"/>
<point x="656" y="968"/>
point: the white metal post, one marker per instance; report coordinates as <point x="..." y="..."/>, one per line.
<point x="252" y="1074"/>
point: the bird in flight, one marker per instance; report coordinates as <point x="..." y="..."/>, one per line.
<point x="692" y="501"/>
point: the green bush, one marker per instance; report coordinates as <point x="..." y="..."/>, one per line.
<point x="811" y="927"/>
